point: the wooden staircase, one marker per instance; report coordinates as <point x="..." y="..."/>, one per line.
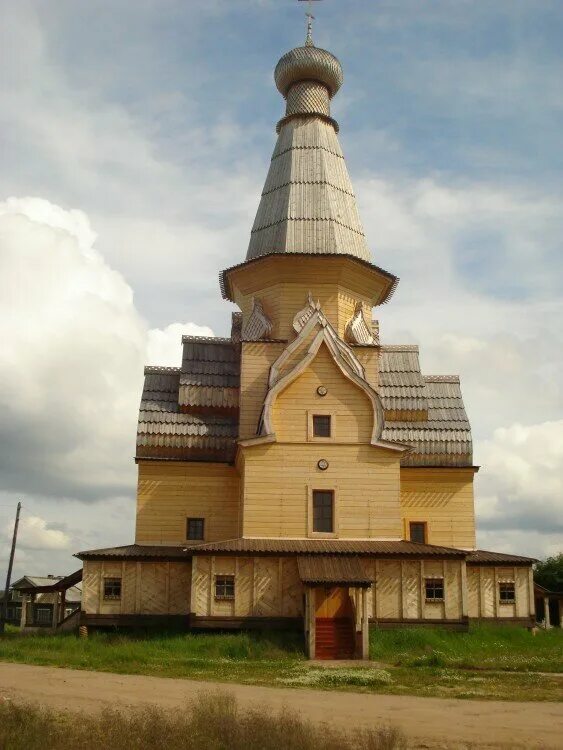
<point x="334" y="638"/>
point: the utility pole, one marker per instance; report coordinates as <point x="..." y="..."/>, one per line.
<point x="4" y="612"/>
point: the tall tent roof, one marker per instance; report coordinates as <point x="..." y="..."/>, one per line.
<point x="308" y="203"/>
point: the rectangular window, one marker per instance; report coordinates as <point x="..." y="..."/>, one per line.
<point x="112" y="588"/>
<point x="506" y="592"/>
<point x="434" y="589"/>
<point x="195" y="528"/>
<point x="321" y="425"/>
<point x="417" y="531"/>
<point x="224" y="587"/>
<point x="43" y="615"/>
<point x="323" y="511"/>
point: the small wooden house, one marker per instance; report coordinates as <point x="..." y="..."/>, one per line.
<point x="300" y="473"/>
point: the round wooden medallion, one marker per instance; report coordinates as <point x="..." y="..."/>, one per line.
<point x="322" y="464"/>
<point x="322" y="391"/>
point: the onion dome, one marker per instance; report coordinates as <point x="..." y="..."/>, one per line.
<point x="308" y="63"/>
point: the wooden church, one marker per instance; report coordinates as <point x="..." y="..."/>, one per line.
<point x="300" y="474"/>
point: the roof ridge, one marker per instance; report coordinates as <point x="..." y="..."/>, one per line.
<point x="305" y="218"/>
<point x="206" y="339"/>
<point x="310" y="148"/>
<point x="441" y="378"/>
<point x="161" y="369"/>
<point x="309" y="182"/>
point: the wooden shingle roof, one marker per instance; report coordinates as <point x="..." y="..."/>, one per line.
<point x="426" y="412"/>
<point x="191" y="412"/>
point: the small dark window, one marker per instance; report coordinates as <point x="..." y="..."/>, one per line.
<point x="321" y="425"/>
<point x="418" y="531"/>
<point x="506" y="592"/>
<point x="323" y="510"/>
<point x="434" y="589"/>
<point x="112" y="588"/>
<point x="195" y="528"/>
<point x="43" y="615"/>
<point x="224" y="587"/>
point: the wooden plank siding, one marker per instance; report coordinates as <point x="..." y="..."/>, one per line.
<point x="266" y="587"/>
<point x="256" y="360"/>
<point x="282" y="300"/>
<point x="169" y="492"/>
<point x="483" y="592"/>
<point x="279" y="478"/>
<point x="349" y="406"/>
<point x="152" y="588"/>
<point x="443" y="498"/>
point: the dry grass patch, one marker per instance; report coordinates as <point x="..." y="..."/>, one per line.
<point x="214" y="722"/>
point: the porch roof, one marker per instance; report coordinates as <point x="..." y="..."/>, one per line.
<point x="323" y="569"/>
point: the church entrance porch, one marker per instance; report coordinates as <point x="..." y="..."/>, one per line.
<point x="335" y="635"/>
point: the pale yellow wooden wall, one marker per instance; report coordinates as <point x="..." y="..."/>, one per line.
<point x="483" y="592"/>
<point x="279" y="478"/>
<point x="169" y="492"/>
<point x="444" y="499"/>
<point x="349" y="406"/>
<point x="399" y="592"/>
<point x="155" y="588"/>
<point x="256" y="360"/>
<point x="264" y="587"/>
<point x="283" y="300"/>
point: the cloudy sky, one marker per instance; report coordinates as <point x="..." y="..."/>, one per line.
<point x="135" y="141"/>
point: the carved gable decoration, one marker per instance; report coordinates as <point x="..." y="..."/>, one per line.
<point x="357" y="330"/>
<point x="303" y="315"/>
<point x="258" y="325"/>
<point x="297" y="356"/>
<point x="312" y="334"/>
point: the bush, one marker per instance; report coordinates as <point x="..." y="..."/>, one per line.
<point x="214" y="722"/>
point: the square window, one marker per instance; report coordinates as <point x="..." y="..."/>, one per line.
<point x="195" y="528"/>
<point x="434" y="589"/>
<point x="112" y="588"/>
<point x="321" y="425"/>
<point x="323" y="511"/>
<point x="506" y="592"/>
<point x="417" y="531"/>
<point x="224" y="587"/>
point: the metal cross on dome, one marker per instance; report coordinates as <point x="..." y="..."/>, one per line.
<point x="310" y="19"/>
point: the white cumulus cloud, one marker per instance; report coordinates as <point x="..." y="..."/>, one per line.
<point x="73" y="350"/>
<point x="35" y="534"/>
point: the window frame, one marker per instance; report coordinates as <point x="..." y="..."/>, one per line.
<point x="434" y="583"/>
<point x="112" y="597"/>
<point x="512" y="584"/>
<point x="311" y="437"/>
<point x="226" y="581"/>
<point x="325" y="491"/>
<point x="196" y="519"/>
<point x="424" y="525"/>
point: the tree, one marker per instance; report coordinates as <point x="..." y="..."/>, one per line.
<point x="549" y="573"/>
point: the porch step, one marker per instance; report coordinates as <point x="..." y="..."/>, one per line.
<point x="334" y="638"/>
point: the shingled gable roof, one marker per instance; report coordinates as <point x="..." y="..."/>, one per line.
<point x="426" y="412"/>
<point x="191" y="412"/>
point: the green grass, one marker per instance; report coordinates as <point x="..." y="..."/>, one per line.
<point x="488" y="662"/>
<point x="492" y="647"/>
<point x="214" y="722"/>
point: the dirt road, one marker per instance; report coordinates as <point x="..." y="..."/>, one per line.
<point x="427" y="722"/>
